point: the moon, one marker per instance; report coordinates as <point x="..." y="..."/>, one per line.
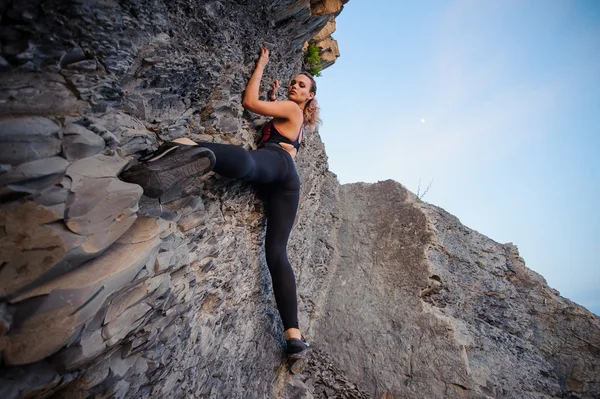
<point x="422" y="120"/>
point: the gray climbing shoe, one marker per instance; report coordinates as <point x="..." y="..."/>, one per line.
<point x="158" y="171"/>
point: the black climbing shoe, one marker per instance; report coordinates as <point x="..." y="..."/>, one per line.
<point x="297" y="354"/>
<point x="158" y="171"/>
<point x="297" y="348"/>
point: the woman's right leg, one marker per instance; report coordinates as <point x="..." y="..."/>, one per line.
<point x="259" y="166"/>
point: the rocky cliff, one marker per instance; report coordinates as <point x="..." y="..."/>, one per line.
<point x="106" y="293"/>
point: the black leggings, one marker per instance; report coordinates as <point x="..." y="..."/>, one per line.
<point x="275" y="169"/>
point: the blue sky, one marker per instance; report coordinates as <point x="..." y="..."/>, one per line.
<point x="510" y="95"/>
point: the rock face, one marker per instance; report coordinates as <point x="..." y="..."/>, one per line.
<point x="107" y="293"/>
<point x="443" y="311"/>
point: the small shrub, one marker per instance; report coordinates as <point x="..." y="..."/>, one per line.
<point x="312" y="60"/>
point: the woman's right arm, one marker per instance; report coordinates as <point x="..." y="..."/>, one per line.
<point x="251" y="102"/>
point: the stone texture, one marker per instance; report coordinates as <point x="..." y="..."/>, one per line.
<point x="38" y="94"/>
<point x="62" y="306"/>
<point x="30" y="248"/>
<point x="28" y="139"/>
<point x="326" y="31"/>
<point x="43" y="169"/>
<point x="80" y="142"/>
<point x="108" y="294"/>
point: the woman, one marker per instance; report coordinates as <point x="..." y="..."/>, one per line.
<point x="272" y="164"/>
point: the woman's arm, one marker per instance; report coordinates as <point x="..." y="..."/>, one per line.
<point x="272" y="95"/>
<point x="279" y="109"/>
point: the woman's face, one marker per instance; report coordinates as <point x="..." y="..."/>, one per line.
<point x="299" y="89"/>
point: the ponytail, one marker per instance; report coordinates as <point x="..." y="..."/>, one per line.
<point x="311" y="115"/>
<point x="311" y="110"/>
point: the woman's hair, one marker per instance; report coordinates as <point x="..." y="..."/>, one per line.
<point x="311" y="110"/>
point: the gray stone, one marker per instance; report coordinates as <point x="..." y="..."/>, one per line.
<point x="96" y="375"/>
<point x="119" y="365"/>
<point x="449" y="320"/>
<point x="137" y="141"/>
<point x="53" y="195"/>
<point x="32" y="246"/>
<point x="34" y="170"/>
<point x="28" y="139"/>
<point x="38" y="94"/>
<point x="98" y="165"/>
<point x="73" y="56"/>
<point x="69" y="302"/>
<point x="80" y="142"/>
<point x="27" y="381"/>
<point x="192" y="220"/>
<point x="91" y="345"/>
<point x="111" y="140"/>
<point x="100" y="205"/>
<point x="126" y="322"/>
<point x="84" y="66"/>
<point x="186" y="205"/>
<point x="163" y="262"/>
<point x="133" y="296"/>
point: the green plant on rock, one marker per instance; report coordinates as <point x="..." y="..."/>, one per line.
<point x="312" y="60"/>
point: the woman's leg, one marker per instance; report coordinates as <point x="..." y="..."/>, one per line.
<point x="260" y="166"/>
<point x="281" y="210"/>
<point x="267" y="166"/>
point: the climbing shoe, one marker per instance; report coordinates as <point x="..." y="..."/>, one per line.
<point x="297" y="348"/>
<point x="158" y="171"/>
<point x="297" y="354"/>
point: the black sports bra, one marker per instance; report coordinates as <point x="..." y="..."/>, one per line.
<point x="272" y="135"/>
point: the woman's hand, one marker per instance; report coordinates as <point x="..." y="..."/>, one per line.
<point x="264" y="57"/>
<point x="273" y="91"/>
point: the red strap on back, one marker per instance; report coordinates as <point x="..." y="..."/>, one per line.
<point x="300" y="132"/>
<point x="266" y="132"/>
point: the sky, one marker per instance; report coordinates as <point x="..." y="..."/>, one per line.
<point x="496" y="103"/>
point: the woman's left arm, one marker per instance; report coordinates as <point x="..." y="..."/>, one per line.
<point x="272" y="95"/>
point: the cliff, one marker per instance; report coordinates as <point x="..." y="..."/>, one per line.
<point x="106" y="293"/>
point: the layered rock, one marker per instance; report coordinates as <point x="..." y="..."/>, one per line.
<point x="107" y="293"/>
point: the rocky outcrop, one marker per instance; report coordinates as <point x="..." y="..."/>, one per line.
<point x="443" y="311"/>
<point x="107" y="293"/>
<point x="327" y="45"/>
<point x="326" y="7"/>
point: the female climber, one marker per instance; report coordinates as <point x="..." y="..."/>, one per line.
<point x="272" y="164"/>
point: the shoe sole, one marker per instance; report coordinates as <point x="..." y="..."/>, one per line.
<point x="297" y="361"/>
<point x="158" y="177"/>
<point x="299" y="355"/>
